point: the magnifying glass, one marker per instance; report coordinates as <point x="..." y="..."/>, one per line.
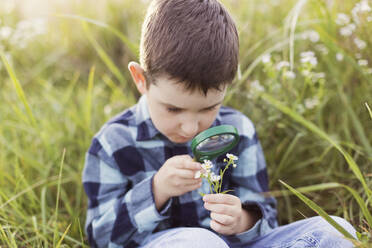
<point x="213" y="142"/>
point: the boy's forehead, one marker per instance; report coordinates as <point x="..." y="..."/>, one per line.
<point x="168" y="90"/>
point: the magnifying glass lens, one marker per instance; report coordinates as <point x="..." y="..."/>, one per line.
<point x="215" y="143"/>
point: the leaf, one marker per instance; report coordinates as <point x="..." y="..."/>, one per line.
<point x="319" y="211"/>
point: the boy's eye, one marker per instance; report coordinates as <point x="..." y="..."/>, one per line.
<point x="209" y="109"/>
<point x="173" y="110"/>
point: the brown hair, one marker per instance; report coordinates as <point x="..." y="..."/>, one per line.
<point x="192" y="41"/>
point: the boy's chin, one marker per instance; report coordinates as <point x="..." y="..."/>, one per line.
<point x="179" y="139"/>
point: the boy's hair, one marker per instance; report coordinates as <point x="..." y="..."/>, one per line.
<point x="192" y="41"/>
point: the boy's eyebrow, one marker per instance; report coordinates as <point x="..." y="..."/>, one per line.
<point x="172" y="106"/>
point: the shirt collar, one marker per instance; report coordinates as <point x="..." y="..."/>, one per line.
<point x="145" y="127"/>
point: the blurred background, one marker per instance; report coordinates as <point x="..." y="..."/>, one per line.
<point x="304" y="79"/>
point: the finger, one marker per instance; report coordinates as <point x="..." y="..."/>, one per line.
<point x="187" y="182"/>
<point x="189" y="165"/>
<point x="192" y="187"/>
<point x="225" y="230"/>
<point x="222" y="199"/>
<point x="223" y="219"/>
<point x="187" y="174"/>
<point x="220" y="208"/>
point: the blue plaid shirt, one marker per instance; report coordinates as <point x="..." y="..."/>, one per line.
<point x="120" y="165"/>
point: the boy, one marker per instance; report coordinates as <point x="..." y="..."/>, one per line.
<point x="139" y="173"/>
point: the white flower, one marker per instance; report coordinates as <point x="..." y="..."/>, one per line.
<point x="266" y="58"/>
<point x="5" y="32"/>
<point x="322" y="48"/>
<point x="310" y="103"/>
<point x="339" y="56"/>
<point x="306" y="73"/>
<point x="313" y="36"/>
<point x="363" y="6"/>
<point x="282" y="64"/>
<point x="363" y="62"/>
<point x="361" y="44"/>
<point x="308" y="57"/>
<point x="369" y="71"/>
<point x="231" y="156"/>
<point x="207" y="165"/>
<point x="197" y="174"/>
<point x="256" y="86"/>
<point x="215" y="178"/>
<point x="289" y="74"/>
<point x="342" y="19"/>
<point x="234" y="165"/>
<point x="319" y="75"/>
<point x="347" y="30"/>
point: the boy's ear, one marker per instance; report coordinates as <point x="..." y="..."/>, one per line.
<point x="137" y="73"/>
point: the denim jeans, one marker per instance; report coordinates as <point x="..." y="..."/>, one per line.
<point x="313" y="232"/>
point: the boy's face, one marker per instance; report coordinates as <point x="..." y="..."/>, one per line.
<point x="179" y="114"/>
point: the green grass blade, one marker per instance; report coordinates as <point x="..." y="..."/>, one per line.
<point x="133" y="47"/>
<point x="357" y="124"/>
<point x="89" y="98"/>
<point x="319" y="211"/>
<point x="63" y="236"/>
<point x="316" y="187"/>
<point x="103" y="55"/>
<point x="18" y="88"/>
<point x="311" y="126"/>
<point x="57" y="198"/>
<point x="323" y="186"/>
<point x="369" y="110"/>
<point x="362" y="205"/>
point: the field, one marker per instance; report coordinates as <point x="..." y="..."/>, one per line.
<point x="305" y="80"/>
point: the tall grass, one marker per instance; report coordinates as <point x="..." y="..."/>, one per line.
<point x="61" y="86"/>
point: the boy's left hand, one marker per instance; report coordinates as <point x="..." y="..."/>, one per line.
<point x="227" y="215"/>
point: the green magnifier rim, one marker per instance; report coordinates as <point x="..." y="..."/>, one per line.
<point x="210" y="132"/>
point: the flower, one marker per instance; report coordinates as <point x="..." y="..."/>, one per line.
<point x="282" y="64"/>
<point x="308" y="57"/>
<point x="339" y="56"/>
<point x="310" y="103"/>
<point x="361" y="44"/>
<point x="322" y="48"/>
<point x="256" y="86"/>
<point x="311" y="35"/>
<point x="347" y="30"/>
<point x="207" y="165"/>
<point x="289" y="74"/>
<point x="266" y="58"/>
<point x="215" y="178"/>
<point x="363" y="62"/>
<point x="231" y="156"/>
<point x="362" y="6"/>
<point x="342" y="19"/>
<point x="5" y="32"/>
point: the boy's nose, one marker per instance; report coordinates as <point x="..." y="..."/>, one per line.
<point x="189" y="129"/>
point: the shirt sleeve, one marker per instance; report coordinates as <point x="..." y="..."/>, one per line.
<point x="249" y="180"/>
<point x="120" y="212"/>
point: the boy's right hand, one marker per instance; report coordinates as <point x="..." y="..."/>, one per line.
<point x="175" y="178"/>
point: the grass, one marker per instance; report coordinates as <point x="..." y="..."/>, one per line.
<point x="59" y="87"/>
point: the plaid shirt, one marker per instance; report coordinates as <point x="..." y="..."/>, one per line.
<point x="120" y="165"/>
